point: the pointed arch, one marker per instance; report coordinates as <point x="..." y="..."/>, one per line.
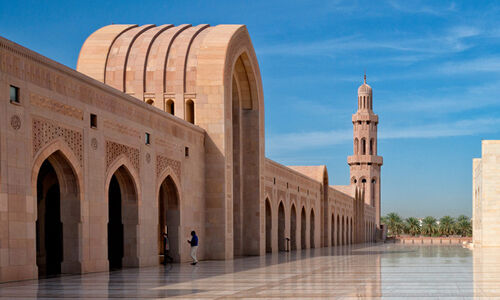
<point x="169" y="219"/>
<point x="303" y="226"/>
<point x="57" y="190"/>
<point x="281" y="226"/>
<point x="269" y="225"/>
<point x="311" y="229"/>
<point x="293" y="227"/>
<point x="123" y="214"/>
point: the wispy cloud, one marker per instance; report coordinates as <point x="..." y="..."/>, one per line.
<point x="417" y="7"/>
<point x="401" y="48"/>
<point x="317" y="139"/>
<point x="446" y="102"/>
<point x="486" y="64"/>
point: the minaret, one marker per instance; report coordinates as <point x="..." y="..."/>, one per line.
<point x="365" y="163"/>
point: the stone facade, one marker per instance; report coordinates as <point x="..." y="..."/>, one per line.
<point x="486" y="196"/>
<point x="160" y="130"/>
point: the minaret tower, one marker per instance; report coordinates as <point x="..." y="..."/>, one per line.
<point x="365" y="163"/>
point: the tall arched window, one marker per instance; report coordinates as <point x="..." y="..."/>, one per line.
<point x="190" y="111"/>
<point x="356" y="146"/>
<point x="363" y="146"/>
<point x="170" y="107"/>
<point x="371" y="146"/>
<point x="373" y="189"/>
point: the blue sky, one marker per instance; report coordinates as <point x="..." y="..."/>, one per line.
<point x="434" y="67"/>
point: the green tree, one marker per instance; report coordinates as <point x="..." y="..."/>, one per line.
<point x="429" y="226"/>
<point x="394" y="224"/>
<point x="463" y="226"/>
<point x="412" y="226"/>
<point x="446" y="226"/>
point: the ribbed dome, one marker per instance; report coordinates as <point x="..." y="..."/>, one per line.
<point x="365" y="88"/>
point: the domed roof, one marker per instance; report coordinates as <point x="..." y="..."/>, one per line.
<point x="364" y="88"/>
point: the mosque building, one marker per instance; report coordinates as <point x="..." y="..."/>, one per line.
<point x="160" y="129"/>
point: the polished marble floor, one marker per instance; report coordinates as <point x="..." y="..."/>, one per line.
<point x="351" y="272"/>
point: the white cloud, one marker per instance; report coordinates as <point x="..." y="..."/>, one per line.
<point x="417" y="7"/>
<point x="403" y="48"/>
<point x="277" y="144"/>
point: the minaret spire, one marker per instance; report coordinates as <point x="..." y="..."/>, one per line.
<point x="365" y="163"/>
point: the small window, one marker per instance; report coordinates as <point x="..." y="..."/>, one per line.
<point x="274" y="180"/>
<point x="363" y="181"/>
<point x="186" y="151"/>
<point x="147" y="139"/>
<point x="169" y="107"/>
<point x="150" y="101"/>
<point x="287" y="185"/>
<point x="14" y="94"/>
<point x="93" y="121"/>
<point x="190" y="111"/>
<point x="298" y="189"/>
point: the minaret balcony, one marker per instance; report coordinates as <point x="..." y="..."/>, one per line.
<point x="365" y="159"/>
<point x="364" y="117"/>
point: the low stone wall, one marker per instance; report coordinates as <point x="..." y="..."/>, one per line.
<point x="432" y="240"/>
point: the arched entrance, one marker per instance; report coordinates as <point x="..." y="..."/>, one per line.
<point x="333" y="231"/>
<point x="303" y="229"/>
<point x="122" y="220"/>
<point x="352" y="232"/>
<point x="245" y="152"/>
<point x="311" y="230"/>
<point x="269" y="226"/>
<point x="281" y="227"/>
<point x="343" y="231"/>
<point x="58" y="217"/>
<point x="338" y="230"/>
<point x="168" y="218"/>
<point x="293" y="227"/>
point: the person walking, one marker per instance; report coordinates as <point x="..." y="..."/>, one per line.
<point x="194" y="247"/>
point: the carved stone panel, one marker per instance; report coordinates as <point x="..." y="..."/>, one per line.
<point x="163" y="162"/>
<point x="113" y="150"/>
<point x="45" y="132"/>
<point x="56" y="106"/>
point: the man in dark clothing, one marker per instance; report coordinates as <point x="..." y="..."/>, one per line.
<point x="194" y="247"/>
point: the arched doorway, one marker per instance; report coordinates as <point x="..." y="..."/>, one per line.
<point x="58" y="217"/>
<point x="303" y="229"/>
<point x="352" y="232"/>
<point x="281" y="227"/>
<point x="122" y="220"/>
<point x="293" y="227"/>
<point x="269" y="226"/>
<point x="343" y="231"/>
<point x="311" y="230"/>
<point x="169" y="218"/>
<point x="332" y="238"/>
<point x="338" y="230"/>
<point x="245" y="153"/>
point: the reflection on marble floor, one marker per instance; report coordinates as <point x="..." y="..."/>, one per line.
<point x="357" y="271"/>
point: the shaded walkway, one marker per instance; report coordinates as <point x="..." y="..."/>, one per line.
<point x="357" y="271"/>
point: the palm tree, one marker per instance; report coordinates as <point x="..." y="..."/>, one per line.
<point x="463" y="226"/>
<point x="429" y="225"/>
<point x="412" y="226"/>
<point x="446" y="225"/>
<point x="394" y="223"/>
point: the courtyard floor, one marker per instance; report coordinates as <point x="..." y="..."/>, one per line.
<point x="360" y="271"/>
